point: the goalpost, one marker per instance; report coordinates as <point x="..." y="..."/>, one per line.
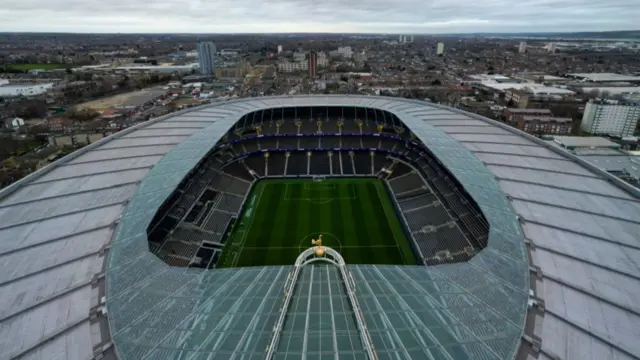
<point x="318" y="178"/>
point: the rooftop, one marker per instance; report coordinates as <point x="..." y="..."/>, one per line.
<point x="605" y="77"/>
<point x="582" y="225"/>
<point x="529" y="111"/>
<point x="546" y="118"/>
<point x="614" y="90"/>
<point x="585" y="142"/>
<point x="535" y="89"/>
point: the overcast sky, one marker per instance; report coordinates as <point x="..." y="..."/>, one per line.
<point x="339" y="16"/>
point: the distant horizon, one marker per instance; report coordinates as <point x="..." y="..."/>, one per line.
<point x="423" y="17"/>
<point x="333" y="33"/>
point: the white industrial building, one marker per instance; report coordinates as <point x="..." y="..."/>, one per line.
<point x="160" y="68"/>
<point x="610" y="119"/>
<point x="613" y="90"/>
<point x="24" y="90"/>
<point x="605" y="77"/>
<point x="440" y="49"/>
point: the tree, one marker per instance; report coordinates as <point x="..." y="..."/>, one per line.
<point x="37" y="130"/>
<point x="593" y="94"/>
<point x="83" y="115"/>
<point x="34" y="109"/>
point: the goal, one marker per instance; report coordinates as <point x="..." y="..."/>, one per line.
<point x="319" y="178"/>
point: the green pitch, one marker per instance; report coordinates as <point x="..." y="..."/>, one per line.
<point x="281" y="217"/>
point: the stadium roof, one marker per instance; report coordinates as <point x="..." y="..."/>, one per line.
<point x="580" y="224"/>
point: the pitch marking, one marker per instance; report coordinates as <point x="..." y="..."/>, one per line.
<point x="250" y="223"/>
<point x="319" y="200"/>
<point x="384" y="208"/>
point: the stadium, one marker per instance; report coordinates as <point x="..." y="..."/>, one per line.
<point x="320" y="227"/>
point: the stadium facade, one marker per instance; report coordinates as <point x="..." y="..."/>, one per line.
<point x="558" y="278"/>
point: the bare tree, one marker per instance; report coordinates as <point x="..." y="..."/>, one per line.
<point x="593" y="94"/>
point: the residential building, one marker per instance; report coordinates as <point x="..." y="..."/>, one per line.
<point x="359" y="58"/>
<point x="543" y="124"/>
<point x="323" y="60"/>
<point x="610" y="119"/>
<point x="312" y="65"/>
<point x="279" y="49"/>
<point x="511" y="113"/>
<point x="517" y="97"/>
<point x="345" y="51"/>
<point x="226" y="72"/>
<point x="403" y="39"/>
<point x="551" y="48"/>
<point x="440" y="49"/>
<point x="58" y="123"/>
<point x="288" y="66"/>
<point x="299" y="56"/>
<point x="523" y="47"/>
<point x="206" y="57"/>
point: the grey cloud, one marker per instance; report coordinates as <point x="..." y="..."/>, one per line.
<point x="415" y="16"/>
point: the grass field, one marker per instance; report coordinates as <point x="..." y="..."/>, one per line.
<point x="281" y="217"/>
<point x="37" y="66"/>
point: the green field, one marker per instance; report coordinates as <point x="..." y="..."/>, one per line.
<point x="36" y="66"/>
<point x="281" y="217"/>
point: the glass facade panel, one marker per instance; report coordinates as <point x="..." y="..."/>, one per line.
<point x="471" y="310"/>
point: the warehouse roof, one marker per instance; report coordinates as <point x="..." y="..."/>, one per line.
<point x="585" y="142"/>
<point x="604" y="77"/>
<point x="57" y="226"/>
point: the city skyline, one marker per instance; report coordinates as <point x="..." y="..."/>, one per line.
<point x="408" y="16"/>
